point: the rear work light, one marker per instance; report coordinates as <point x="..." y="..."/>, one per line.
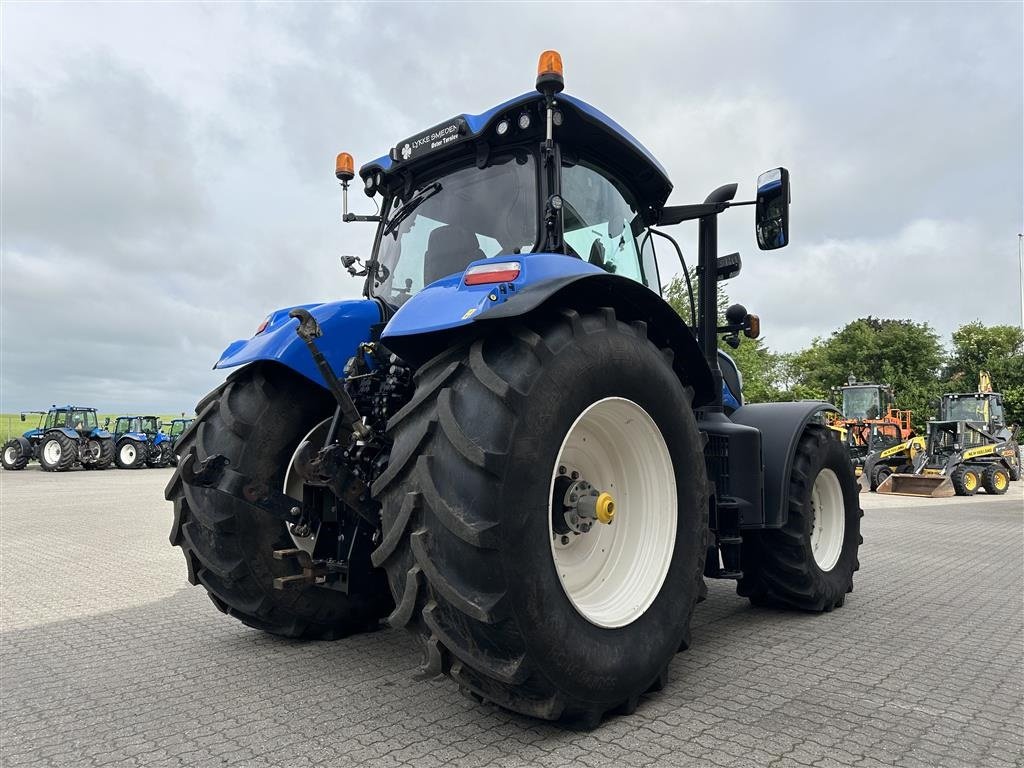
<point x="501" y="272"/>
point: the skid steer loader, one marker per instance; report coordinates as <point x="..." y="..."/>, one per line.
<point x="969" y="447"/>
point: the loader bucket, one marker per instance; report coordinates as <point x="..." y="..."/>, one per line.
<point x="928" y="486"/>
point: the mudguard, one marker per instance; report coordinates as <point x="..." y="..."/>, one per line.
<point x="99" y="433"/>
<point x="67" y="431"/>
<point x="345" y="324"/>
<point x="24" y="445"/>
<point x="781" y="425"/>
<point x="139" y="437"/>
<point x="160" y="439"/>
<point x="33" y="434"/>
<point x="448" y="309"/>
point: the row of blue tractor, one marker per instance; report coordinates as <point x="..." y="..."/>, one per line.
<point x="512" y="445"/>
<point x="71" y="436"/>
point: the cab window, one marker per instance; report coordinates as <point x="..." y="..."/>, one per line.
<point x="597" y="219"/>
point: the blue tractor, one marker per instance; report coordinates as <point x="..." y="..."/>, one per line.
<point x="174" y="432"/>
<point x="63" y="438"/>
<point x="139" y="441"/>
<point x="512" y="445"/>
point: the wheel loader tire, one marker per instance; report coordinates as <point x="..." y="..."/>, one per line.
<point x="1014" y="470"/>
<point x="130" y="454"/>
<point x="878" y="475"/>
<point x="467" y="536"/>
<point x="995" y="479"/>
<point x="809" y="563"/>
<point x="57" y="452"/>
<point x="257" y="419"/>
<point x="965" y="481"/>
<point x="14" y="455"/>
<point x="106" y="459"/>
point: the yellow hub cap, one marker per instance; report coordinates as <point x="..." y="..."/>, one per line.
<point x="1000" y="480"/>
<point x="970" y="481"/>
<point x="605" y="508"/>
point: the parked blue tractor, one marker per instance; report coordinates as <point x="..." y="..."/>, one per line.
<point x="138" y="441"/>
<point x="174" y="432"/>
<point x="65" y="437"/>
<point x="512" y="445"/>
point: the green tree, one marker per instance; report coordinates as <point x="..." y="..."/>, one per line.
<point x="998" y="349"/>
<point x="901" y="353"/>
<point x="758" y="364"/>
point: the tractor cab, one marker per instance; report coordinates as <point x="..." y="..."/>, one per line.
<point x="479" y="187"/>
<point x="865" y="401"/>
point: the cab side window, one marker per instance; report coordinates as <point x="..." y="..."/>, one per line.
<point x="597" y="220"/>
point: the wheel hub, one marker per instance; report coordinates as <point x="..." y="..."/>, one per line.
<point x="576" y="504"/>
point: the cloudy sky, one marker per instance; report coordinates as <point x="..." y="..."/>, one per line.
<point x="167" y="169"/>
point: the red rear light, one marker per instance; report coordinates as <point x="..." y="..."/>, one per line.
<point x="499" y="272"/>
<point x="262" y="326"/>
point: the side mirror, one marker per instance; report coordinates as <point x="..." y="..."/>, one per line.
<point x="23" y="417"/>
<point x="106" y="422"/>
<point x="771" y="219"/>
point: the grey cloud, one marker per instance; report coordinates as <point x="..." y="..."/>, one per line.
<point x="167" y="169"/>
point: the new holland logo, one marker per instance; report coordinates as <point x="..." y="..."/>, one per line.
<point x="406" y="151"/>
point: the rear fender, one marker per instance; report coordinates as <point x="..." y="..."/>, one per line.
<point x="345" y="325"/>
<point x="448" y="311"/>
<point x="24" y="445"/>
<point x="138" y="437"/>
<point x="99" y="433"/>
<point x="160" y="439"/>
<point x="66" y="431"/>
<point x="781" y="425"/>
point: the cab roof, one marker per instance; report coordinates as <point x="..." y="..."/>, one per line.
<point x="585" y="130"/>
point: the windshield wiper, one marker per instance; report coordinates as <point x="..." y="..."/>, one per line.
<point x="414" y="202"/>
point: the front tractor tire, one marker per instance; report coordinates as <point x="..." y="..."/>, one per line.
<point x="16" y="454"/>
<point x="965" y="480"/>
<point x="544" y="622"/>
<point x="57" y="452"/>
<point x="257" y="419"/>
<point x="130" y="454"/>
<point x="809" y="563"/>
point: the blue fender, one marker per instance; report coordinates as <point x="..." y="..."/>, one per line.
<point x="99" y="433"/>
<point x="33" y="434"/>
<point x="160" y="438"/>
<point x="345" y="324"/>
<point x="139" y="437"/>
<point x="447" y="309"/>
<point x="781" y="425"/>
<point x="67" y="431"/>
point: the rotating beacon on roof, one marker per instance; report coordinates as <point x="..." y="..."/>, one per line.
<point x="512" y="445"/>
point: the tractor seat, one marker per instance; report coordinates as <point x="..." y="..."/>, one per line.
<point x="450" y="249"/>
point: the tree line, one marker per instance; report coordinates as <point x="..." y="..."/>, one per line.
<point x="906" y="354"/>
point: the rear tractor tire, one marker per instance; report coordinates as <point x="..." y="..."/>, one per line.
<point x="995" y="480"/>
<point x="965" y="480"/>
<point x="99" y="453"/>
<point x="15" y="456"/>
<point x="518" y="608"/>
<point x="257" y="419"/>
<point x="57" y="452"/>
<point x="130" y="454"/>
<point x="160" y="456"/>
<point x="809" y="563"/>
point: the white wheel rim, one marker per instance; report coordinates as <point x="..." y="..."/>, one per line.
<point x="94" y="449"/>
<point x="11" y="455"/>
<point x="128" y="453"/>
<point x="52" y="451"/>
<point x="293" y="483"/>
<point x="828" y="519"/>
<point x="613" y="573"/>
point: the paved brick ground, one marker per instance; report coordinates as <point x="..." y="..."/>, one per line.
<point x="109" y="658"/>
